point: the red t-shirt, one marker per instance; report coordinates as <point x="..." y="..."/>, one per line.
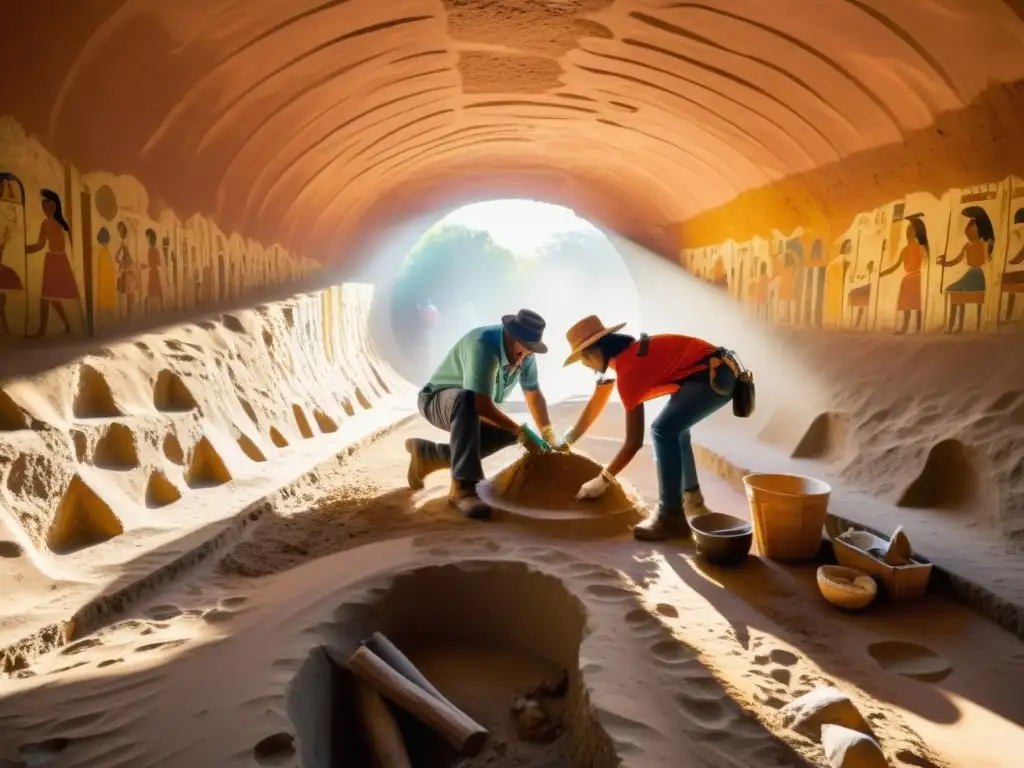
<point x="669" y="358"/>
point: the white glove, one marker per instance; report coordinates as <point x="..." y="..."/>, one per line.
<point x="564" y="445"/>
<point x="596" y="487"/>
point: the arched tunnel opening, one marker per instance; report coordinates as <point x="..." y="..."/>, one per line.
<point x="489" y="259"/>
<point x="251" y="199"/>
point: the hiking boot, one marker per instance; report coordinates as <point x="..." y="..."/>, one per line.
<point x="463" y="497"/>
<point x="421" y="461"/>
<point x="662" y="526"/>
<point x="693" y="504"/>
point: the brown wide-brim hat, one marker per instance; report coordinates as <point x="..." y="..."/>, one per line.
<point x="587" y="331"/>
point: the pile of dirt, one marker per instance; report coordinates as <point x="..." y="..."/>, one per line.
<point x="551" y="481"/>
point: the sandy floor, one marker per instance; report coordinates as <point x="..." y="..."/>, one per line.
<point x="679" y="657"/>
<point x="237" y="553"/>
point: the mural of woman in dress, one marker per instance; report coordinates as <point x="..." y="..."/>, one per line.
<point x="154" y="282"/>
<point x="106" y="278"/>
<point x="912" y="258"/>
<point x="1013" y="279"/>
<point x="58" y="278"/>
<point x="12" y="197"/>
<point x="977" y="251"/>
<point x="127" y="279"/>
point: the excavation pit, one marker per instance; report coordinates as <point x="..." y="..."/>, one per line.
<point x="484" y="634"/>
<point x="540" y="492"/>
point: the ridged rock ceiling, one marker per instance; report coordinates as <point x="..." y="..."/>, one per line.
<point x="310" y="121"/>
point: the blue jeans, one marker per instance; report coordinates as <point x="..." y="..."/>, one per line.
<point x="670" y="432"/>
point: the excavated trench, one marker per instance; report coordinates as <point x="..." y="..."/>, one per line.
<point x="483" y="633"/>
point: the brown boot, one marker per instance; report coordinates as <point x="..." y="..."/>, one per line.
<point x="693" y="503"/>
<point x="463" y="497"/>
<point x="420" y="465"/>
<point x="662" y="526"/>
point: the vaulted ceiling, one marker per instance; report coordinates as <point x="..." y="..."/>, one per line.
<point x="309" y="121"/>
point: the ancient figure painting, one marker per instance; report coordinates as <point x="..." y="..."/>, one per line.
<point x="951" y="264"/>
<point x="965" y="268"/>
<point x="13" y="264"/>
<point x="58" y="286"/>
<point x="105" y="271"/>
<point x="80" y="254"/>
<point x="1010" y="305"/>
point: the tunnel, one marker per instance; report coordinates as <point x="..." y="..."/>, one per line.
<point x="205" y="207"/>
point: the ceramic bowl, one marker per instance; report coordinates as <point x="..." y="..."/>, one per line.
<point x="722" y="539"/>
<point x="846" y="587"/>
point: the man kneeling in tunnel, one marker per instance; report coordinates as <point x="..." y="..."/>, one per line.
<point x="462" y="398"/>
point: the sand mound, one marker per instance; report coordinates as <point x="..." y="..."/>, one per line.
<point x="541" y="490"/>
<point x="326" y="423"/>
<point x="302" y="422"/>
<point x="160" y="492"/>
<point x="94" y="399"/>
<point x="279" y="440"/>
<point x="82" y="520"/>
<point x="829" y="437"/>
<point x="206" y="467"/>
<point x="250" y="449"/>
<point x="170" y="393"/>
<point x="172" y="449"/>
<point x="117" y="449"/>
<point x="551" y="482"/>
<point x="948" y="480"/>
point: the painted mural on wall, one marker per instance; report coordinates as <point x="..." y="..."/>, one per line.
<point x="80" y="253"/>
<point x="922" y="264"/>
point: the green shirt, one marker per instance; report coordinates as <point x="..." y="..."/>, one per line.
<point x="478" y="363"/>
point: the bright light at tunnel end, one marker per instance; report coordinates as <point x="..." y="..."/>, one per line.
<point x="520" y="225"/>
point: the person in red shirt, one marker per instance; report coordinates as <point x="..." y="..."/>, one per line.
<point x="698" y="377"/>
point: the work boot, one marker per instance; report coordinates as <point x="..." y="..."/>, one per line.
<point x="693" y="504"/>
<point x="664" y="524"/>
<point x="463" y="497"/>
<point x="421" y="461"/>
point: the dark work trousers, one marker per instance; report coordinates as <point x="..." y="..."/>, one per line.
<point x="454" y="411"/>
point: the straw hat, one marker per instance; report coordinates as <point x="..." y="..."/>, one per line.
<point x="587" y="331"/>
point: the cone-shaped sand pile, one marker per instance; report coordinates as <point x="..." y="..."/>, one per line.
<point x="541" y="490"/>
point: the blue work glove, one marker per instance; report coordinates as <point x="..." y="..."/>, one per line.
<point x="531" y="441"/>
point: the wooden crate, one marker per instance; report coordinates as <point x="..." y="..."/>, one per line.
<point x="899" y="581"/>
